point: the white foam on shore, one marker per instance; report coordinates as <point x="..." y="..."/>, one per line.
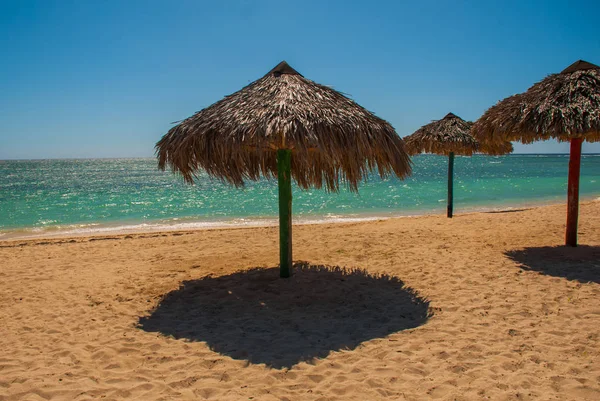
<point x="98" y="229"/>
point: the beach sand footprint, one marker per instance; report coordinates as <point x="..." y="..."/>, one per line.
<point x="579" y="264"/>
<point x="254" y="315"/>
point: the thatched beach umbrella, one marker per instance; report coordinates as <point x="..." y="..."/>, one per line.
<point x="286" y="126"/>
<point x="563" y="106"/>
<point x="448" y="136"/>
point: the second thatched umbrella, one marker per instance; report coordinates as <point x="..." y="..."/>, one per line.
<point x="286" y="126"/>
<point x="448" y="136"/>
<point x="563" y="106"/>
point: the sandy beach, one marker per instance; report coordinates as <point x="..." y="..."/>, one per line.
<point x="484" y="306"/>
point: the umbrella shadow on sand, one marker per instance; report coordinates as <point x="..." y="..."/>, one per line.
<point x="254" y="315"/>
<point x="580" y="264"/>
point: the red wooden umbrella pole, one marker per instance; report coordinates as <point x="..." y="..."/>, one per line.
<point x="573" y="192"/>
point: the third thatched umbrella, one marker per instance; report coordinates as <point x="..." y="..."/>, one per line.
<point x="448" y="136"/>
<point x="563" y="106"/>
<point x="286" y="126"/>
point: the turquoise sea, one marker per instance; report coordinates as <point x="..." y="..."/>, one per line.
<point x="48" y="197"/>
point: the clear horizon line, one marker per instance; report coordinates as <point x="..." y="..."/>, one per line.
<point x="153" y="157"/>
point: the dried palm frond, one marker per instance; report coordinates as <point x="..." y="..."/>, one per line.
<point x="495" y="149"/>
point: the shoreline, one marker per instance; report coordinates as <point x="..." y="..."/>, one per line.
<point x="147" y="202"/>
<point x="119" y="230"/>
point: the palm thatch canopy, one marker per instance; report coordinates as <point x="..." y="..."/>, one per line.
<point x="331" y="137"/>
<point x="562" y="106"/>
<point x="451" y="134"/>
<point x="495" y="149"/>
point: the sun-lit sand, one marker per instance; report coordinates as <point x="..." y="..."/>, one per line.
<point x="481" y="306"/>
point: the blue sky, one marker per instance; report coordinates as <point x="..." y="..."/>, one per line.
<point x="107" y="78"/>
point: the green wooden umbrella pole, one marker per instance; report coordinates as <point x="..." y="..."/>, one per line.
<point x="573" y="192"/>
<point x="284" y="176"/>
<point x="450" y="183"/>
